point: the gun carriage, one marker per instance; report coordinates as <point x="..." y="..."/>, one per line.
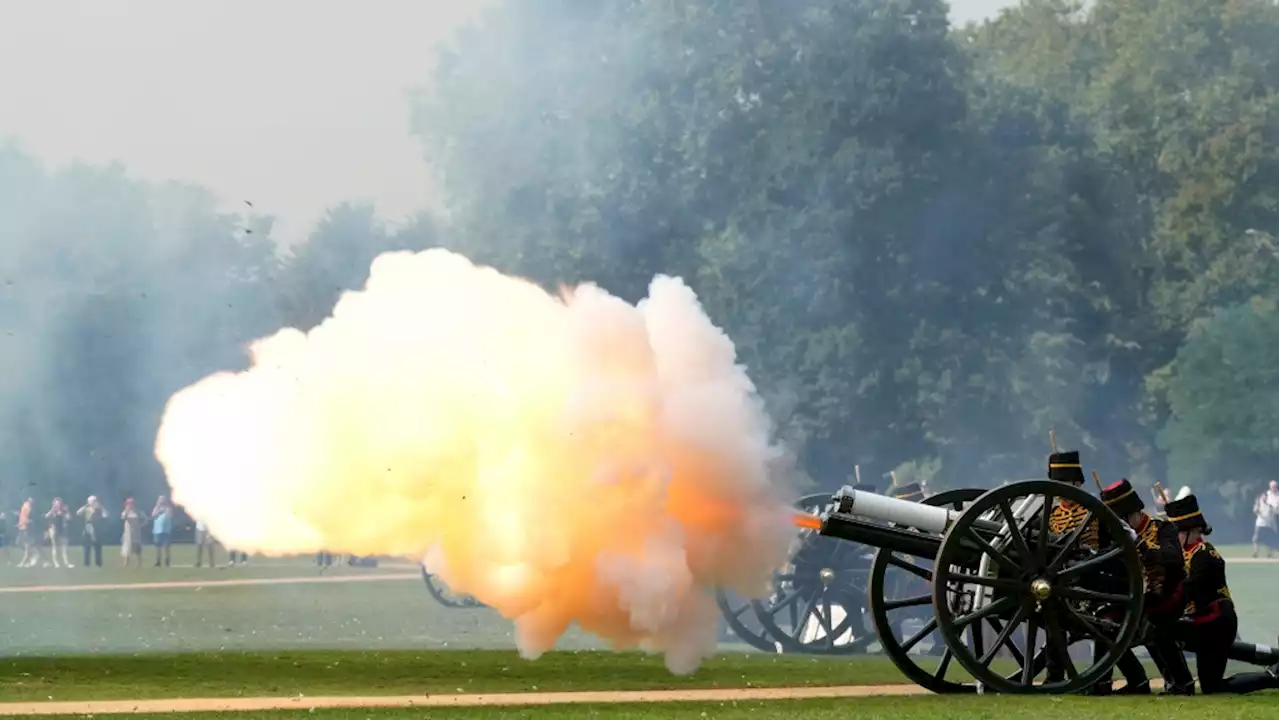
<point x="978" y="573"/>
<point x="997" y="589"/>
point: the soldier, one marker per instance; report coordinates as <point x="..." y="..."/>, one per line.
<point x="1063" y="518"/>
<point x="1066" y="517"/>
<point x="1209" y="605"/>
<point x="1163" y="572"/>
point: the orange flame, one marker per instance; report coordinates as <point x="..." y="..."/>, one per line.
<point x="806" y="521"/>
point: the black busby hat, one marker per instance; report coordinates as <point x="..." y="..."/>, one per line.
<point x="1121" y="498"/>
<point x="910" y="491"/>
<point x="864" y="487"/>
<point x="1065" y="467"/>
<point x="1185" y="514"/>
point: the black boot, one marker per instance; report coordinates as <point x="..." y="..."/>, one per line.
<point x="1179" y="690"/>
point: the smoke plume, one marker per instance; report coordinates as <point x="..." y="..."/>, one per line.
<point x="570" y="459"/>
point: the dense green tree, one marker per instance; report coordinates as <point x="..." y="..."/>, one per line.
<point x="931" y="245"/>
<point x="117" y="293"/>
<point x="1221" y="387"/>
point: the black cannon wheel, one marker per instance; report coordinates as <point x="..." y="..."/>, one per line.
<point x="885" y="599"/>
<point x="1040" y="583"/>
<point x="820" y="597"/>
<point x="738" y="615"/>
<point x="445" y="596"/>
<point x="888" y="621"/>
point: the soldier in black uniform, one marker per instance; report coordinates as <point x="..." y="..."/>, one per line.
<point x="1163" y="572"/>
<point x="1209" y="605"/>
<point x="1065" y="517"/>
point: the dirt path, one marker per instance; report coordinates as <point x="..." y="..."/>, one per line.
<point x="212" y="583"/>
<point x="117" y="707"/>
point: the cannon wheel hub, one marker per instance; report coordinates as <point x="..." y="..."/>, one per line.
<point x="1041" y="588"/>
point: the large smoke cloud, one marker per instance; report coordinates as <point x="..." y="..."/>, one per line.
<point x="563" y="459"/>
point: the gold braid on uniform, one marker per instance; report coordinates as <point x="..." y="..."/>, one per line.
<point x="1223" y="592"/>
<point x="1066" y="517"/>
<point x="1153" y="574"/>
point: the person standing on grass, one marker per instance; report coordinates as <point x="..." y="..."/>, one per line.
<point x="162" y="525"/>
<point x="204" y="541"/>
<point x="58" y="525"/>
<point x="131" y="537"/>
<point x="30" y="546"/>
<point x="92" y="514"/>
<point x="1266" y="508"/>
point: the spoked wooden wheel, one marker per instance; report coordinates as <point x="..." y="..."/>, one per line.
<point x="739" y="615"/>
<point x="445" y="596"/>
<point x="819" y="599"/>
<point x="901" y="600"/>
<point x="1030" y="579"/>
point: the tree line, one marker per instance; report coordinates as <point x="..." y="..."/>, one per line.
<point x="930" y="244"/>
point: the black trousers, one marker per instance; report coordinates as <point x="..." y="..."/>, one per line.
<point x="1211" y="641"/>
<point x="1129" y="666"/>
<point x="94" y="546"/>
<point x="1162" y="645"/>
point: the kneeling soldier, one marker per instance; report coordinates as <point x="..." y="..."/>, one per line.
<point x="1163" y="573"/>
<point x="1209" y="605"/>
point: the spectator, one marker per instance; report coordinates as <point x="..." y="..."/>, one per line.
<point x="1265" y="510"/>
<point x="204" y="541"/>
<point x="162" y="524"/>
<point x="57" y="526"/>
<point x="131" y="537"/>
<point x="30" y="549"/>
<point x="91" y="515"/>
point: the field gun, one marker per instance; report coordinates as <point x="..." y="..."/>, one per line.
<point x="1011" y="592"/>
<point x="973" y="577"/>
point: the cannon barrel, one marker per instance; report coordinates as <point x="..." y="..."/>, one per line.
<point x="901" y="526"/>
<point x="905" y="513"/>
<point x="871" y="534"/>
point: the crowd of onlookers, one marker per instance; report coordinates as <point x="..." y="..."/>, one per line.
<point x="44" y="540"/>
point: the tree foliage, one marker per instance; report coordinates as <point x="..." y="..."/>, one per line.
<point x="931" y="245"/>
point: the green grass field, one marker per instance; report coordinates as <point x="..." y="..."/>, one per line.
<point x="875" y="708"/>
<point x="384" y="615"/>
<point x="389" y="637"/>
<point x="408" y="673"/>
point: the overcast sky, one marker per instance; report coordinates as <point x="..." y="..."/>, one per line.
<point x="293" y="104"/>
